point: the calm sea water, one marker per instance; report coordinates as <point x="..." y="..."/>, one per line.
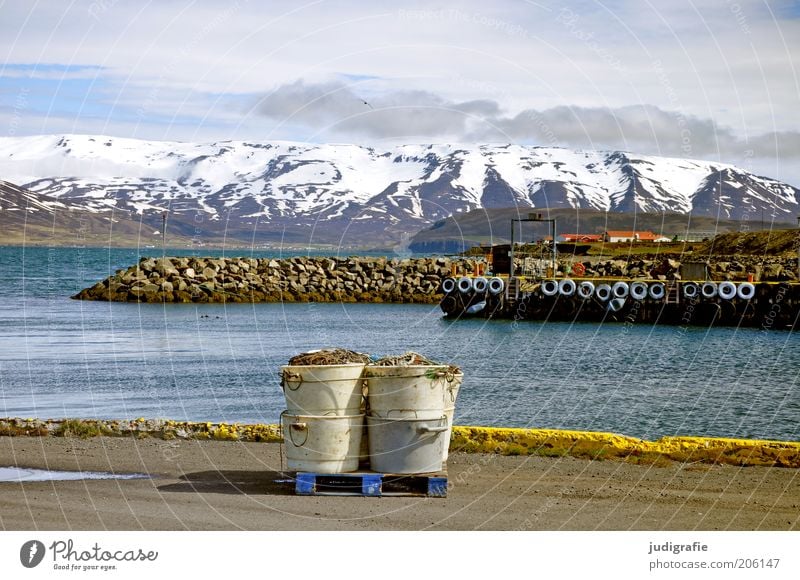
<point x="67" y="358"/>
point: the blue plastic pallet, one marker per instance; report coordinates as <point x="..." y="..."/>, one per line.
<point x="370" y="484"/>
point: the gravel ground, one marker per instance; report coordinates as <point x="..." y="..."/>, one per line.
<point x="215" y="485"/>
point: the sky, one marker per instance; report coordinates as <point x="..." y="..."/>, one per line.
<point x="715" y="80"/>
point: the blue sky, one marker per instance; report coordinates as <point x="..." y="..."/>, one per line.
<point x="713" y="80"/>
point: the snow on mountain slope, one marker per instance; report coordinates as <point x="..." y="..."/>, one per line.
<point x="386" y="192"/>
<point x="18" y="200"/>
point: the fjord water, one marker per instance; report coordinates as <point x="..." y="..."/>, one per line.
<point x="214" y="362"/>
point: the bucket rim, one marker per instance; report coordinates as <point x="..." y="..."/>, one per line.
<point x="287" y="414"/>
<point x="339" y="365"/>
<point x="441" y="416"/>
<point x="372" y="366"/>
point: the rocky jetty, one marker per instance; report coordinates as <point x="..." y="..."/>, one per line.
<point x="358" y="279"/>
<point x="301" y="279"/>
<point x="736" y="268"/>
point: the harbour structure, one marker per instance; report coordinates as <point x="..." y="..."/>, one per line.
<point x="769" y="305"/>
<point x="524" y="288"/>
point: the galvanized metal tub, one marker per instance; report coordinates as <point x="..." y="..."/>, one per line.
<point x="322" y="444"/>
<point x="407" y="442"/>
<point x="417" y="387"/>
<point x="323" y="389"/>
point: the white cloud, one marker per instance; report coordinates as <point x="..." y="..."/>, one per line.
<point x="619" y="72"/>
<point x="336" y="108"/>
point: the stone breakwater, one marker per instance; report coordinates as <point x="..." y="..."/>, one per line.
<point x="501" y="441"/>
<point x="772" y="269"/>
<point x="354" y="279"/>
<point x="301" y="279"/>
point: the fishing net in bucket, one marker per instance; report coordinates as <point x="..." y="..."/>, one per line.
<point x="332" y="356"/>
<point x="412" y="358"/>
<point x="408" y="359"/>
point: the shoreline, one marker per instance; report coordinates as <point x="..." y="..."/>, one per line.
<point x="465" y="439"/>
<point x="236" y="485"/>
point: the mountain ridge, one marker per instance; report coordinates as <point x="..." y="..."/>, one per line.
<point x="349" y="194"/>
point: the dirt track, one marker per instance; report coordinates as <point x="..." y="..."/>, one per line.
<point x="230" y="485"/>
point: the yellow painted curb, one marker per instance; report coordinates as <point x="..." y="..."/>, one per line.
<point x="502" y="441"/>
<point x="597" y="445"/>
<point x="141" y="427"/>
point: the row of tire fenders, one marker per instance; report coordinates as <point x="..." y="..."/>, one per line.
<point x="604" y="292"/>
<point x="479" y="285"/>
<point x="643" y="290"/>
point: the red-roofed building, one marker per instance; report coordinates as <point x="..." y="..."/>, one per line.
<point x="613" y="236"/>
<point x="580" y="238"/>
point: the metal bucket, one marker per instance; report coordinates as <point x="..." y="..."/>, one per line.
<point x="407" y="442"/>
<point x="323" y="389"/>
<point x="323" y="444"/>
<point x="415" y="387"/>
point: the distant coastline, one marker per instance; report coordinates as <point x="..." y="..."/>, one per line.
<point x="175" y="246"/>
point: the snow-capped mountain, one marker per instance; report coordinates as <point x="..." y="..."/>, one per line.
<point x="331" y="193"/>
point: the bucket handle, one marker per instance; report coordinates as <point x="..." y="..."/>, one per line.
<point x="301" y="427"/>
<point x="292" y="428"/>
<point x="390" y="411"/>
<point x="426" y="429"/>
<point x="288" y="379"/>
<point x="439" y="429"/>
<point x="433" y="375"/>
